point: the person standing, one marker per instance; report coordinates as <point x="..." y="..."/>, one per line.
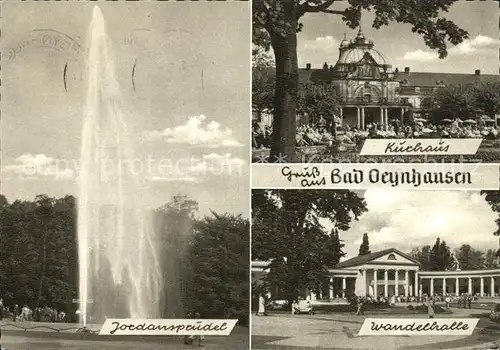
<point x="15" y="313"/>
<point x="200" y="337"/>
<point x="447" y="300"/>
<point x="262" y="306"/>
<point x="360" y="301"/>
<point x="430" y="308"/>
<point x="187" y="338"/>
<point x="469" y="300"/>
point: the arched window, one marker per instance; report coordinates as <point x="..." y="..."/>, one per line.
<point x="391" y="257"/>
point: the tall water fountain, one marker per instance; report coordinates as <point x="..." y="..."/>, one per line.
<point x="119" y="269"/>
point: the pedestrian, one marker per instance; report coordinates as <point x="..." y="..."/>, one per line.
<point x="360" y="306"/>
<point x="447" y="300"/>
<point x="430" y="308"/>
<point x="262" y="306"/>
<point x="469" y="300"/>
<point x="199" y="336"/>
<point x="187" y="339"/>
<point x="15" y="312"/>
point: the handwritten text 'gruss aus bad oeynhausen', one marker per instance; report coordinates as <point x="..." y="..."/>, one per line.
<point x="311" y="176"/>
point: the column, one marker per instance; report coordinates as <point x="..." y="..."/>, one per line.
<point x="402" y="116"/>
<point x="343" y="287"/>
<point x="375" y="283"/>
<point x="457" y="286"/>
<point x="416" y="284"/>
<point x="482" y="287"/>
<point x="381" y="116"/>
<point x="331" y="288"/>
<point x="341" y="116"/>
<point x="396" y="282"/>
<point x="470" y="285"/>
<point x="444" y="286"/>
<point x="492" y="286"/>
<point x="407" y="283"/>
<point x="386" y="119"/>
<point x="363" y="124"/>
<point x="386" y="283"/>
<point x="363" y="278"/>
<point x="359" y="117"/>
<point x="432" y="287"/>
<point x="420" y="288"/>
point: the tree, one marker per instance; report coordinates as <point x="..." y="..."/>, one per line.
<point x="464" y="101"/>
<point x="487" y="98"/>
<point x="336" y="248"/>
<point x="364" y="248"/>
<point x="441" y="258"/>
<point x="38" y="250"/>
<point x="286" y="230"/>
<point x="493" y="199"/>
<point x="276" y="24"/>
<point x="452" y="102"/>
<point x="469" y="258"/>
<point x="219" y="256"/>
<point x="262" y="82"/>
<point x="174" y="223"/>
<point x="422" y="255"/>
<point x="319" y="100"/>
<point x="491" y="260"/>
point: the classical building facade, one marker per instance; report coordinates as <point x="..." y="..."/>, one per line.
<point x="370" y="90"/>
<point x="391" y="272"/>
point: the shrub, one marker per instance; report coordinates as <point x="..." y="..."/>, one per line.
<point x="495" y="316"/>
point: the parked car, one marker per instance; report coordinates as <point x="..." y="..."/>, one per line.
<point x="303" y="307"/>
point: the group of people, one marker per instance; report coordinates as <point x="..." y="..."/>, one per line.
<point x="323" y="133"/>
<point x="25" y="313"/>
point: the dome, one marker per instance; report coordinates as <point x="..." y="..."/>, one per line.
<point x="353" y="51"/>
<point x="356" y="54"/>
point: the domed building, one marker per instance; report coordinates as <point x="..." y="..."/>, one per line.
<point x="371" y="91"/>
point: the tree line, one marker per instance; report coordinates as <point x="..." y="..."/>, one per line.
<point x="440" y="257"/>
<point x="207" y="255"/>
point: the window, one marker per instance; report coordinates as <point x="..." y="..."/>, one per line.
<point x="417" y="89"/>
<point x="391" y="257"/>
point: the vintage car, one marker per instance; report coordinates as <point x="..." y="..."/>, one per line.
<point x="303" y="307"/>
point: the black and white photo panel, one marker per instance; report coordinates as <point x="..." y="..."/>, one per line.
<point x="370" y="81"/>
<point x="124" y="207"/>
<point x="375" y="269"/>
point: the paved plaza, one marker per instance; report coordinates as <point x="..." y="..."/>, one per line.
<point x="44" y="339"/>
<point x="339" y="332"/>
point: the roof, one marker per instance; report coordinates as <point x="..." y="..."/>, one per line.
<point x="420" y="79"/>
<point x="363" y="259"/>
<point x="431" y="79"/>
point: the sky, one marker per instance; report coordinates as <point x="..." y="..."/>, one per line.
<point x="187" y="103"/>
<point x="409" y="219"/>
<point x="322" y="33"/>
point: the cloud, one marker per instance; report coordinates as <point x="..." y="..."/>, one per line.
<point x="31" y="166"/>
<point x="475" y="45"/>
<point x="410" y="219"/>
<point x="480" y="44"/>
<point x="216" y="164"/>
<point x="420" y="55"/>
<point x="317" y="51"/>
<point x="196" y="132"/>
<point x="196" y="169"/>
<point x="172" y="179"/>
